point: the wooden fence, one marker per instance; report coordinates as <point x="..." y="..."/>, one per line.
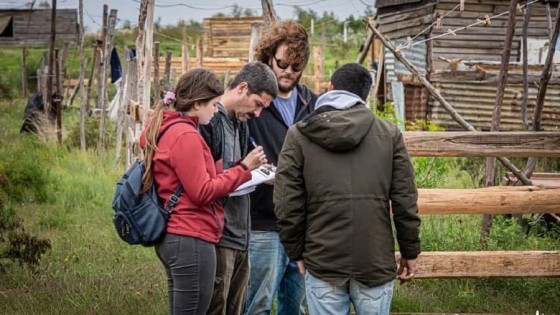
<point x="491" y="200"/>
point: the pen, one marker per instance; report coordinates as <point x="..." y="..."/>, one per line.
<point x="252" y="141"/>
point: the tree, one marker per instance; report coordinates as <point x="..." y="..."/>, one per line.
<point x="44" y="4"/>
<point x="127" y="24"/>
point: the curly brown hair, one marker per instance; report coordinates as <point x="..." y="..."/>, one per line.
<point x="286" y="32"/>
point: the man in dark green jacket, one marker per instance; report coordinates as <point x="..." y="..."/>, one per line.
<point x="341" y="173"/>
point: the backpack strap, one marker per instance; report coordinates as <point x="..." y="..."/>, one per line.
<point x="173" y="199"/>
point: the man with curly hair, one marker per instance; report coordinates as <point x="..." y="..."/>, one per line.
<point x="285" y="48"/>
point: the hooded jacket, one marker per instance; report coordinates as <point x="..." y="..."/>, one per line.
<point x="269" y="130"/>
<point x="183" y="157"/>
<point x="339" y="174"/>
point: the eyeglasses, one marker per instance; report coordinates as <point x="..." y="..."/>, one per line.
<point x="297" y="67"/>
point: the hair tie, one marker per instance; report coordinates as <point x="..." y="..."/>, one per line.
<point x="169" y="98"/>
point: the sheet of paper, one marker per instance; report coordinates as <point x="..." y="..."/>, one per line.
<point x="258" y="176"/>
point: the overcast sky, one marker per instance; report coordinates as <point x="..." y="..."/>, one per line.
<point x="171" y="11"/>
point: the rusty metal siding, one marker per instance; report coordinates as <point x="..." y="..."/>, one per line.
<point x="482" y="42"/>
<point x="416" y="100"/>
<point x="475" y="103"/>
<point x="416" y="97"/>
<point x="416" y="55"/>
<point x="406" y="20"/>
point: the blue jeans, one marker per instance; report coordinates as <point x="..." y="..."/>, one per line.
<point x="271" y="272"/>
<point x="324" y="298"/>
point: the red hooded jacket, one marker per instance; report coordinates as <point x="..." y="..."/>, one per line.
<point x="183" y="157"/>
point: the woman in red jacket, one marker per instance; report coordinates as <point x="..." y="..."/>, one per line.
<point x="182" y="157"/>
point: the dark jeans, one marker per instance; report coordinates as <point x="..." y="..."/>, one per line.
<point x="190" y="264"/>
<point x="232" y="277"/>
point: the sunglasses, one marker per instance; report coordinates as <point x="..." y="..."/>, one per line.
<point x="297" y="67"/>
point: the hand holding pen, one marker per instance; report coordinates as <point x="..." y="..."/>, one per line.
<point x="256" y="157"/>
<point x="267" y="166"/>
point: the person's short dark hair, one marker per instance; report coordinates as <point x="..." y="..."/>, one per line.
<point x="259" y="77"/>
<point x="354" y="78"/>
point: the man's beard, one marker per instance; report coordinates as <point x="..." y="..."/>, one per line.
<point x="289" y="88"/>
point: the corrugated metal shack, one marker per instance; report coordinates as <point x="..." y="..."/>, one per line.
<point x="33" y="27"/>
<point x="465" y="66"/>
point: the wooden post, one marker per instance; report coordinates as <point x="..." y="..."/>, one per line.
<point x="124" y="124"/>
<point x="94" y="64"/>
<point x="319" y="75"/>
<point x="378" y="75"/>
<point x="185" y="52"/>
<point x="546" y="73"/>
<point x="140" y="48"/>
<point x="157" y="93"/>
<point x="147" y="47"/>
<point x="102" y="78"/>
<point x="269" y="14"/>
<point x="323" y="39"/>
<point x="63" y="72"/>
<point x="24" y="71"/>
<point x="101" y="74"/>
<point x="450" y="110"/>
<point x="39" y="72"/>
<point x="82" y="76"/>
<point x="51" y="59"/>
<point x="45" y="81"/>
<point x="57" y="99"/>
<point x="200" y="53"/>
<point x="226" y="78"/>
<point x="497" y="112"/>
<point x="110" y="23"/>
<point x="255" y="36"/>
<point x="167" y="73"/>
<point x="365" y="49"/>
<point x="549" y="19"/>
<point x="526" y="18"/>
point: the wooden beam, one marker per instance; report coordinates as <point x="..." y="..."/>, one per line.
<point x="269" y="14"/>
<point x="318" y="69"/>
<point x="486" y="144"/>
<point x="489" y="200"/>
<point x="482" y="264"/>
<point x="156" y="72"/>
<point x="256" y="31"/>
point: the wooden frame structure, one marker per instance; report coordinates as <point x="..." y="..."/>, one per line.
<point x="491" y="200"/>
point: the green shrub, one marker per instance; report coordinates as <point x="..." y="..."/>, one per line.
<point x="23" y="166"/>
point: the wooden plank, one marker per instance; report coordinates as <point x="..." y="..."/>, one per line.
<point x="422" y="11"/>
<point x="389" y="3"/>
<point x="484" y="144"/>
<point x="419" y="21"/>
<point x="491" y="200"/>
<point x="544" y="180"/>
<point x="483" y="264"/>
